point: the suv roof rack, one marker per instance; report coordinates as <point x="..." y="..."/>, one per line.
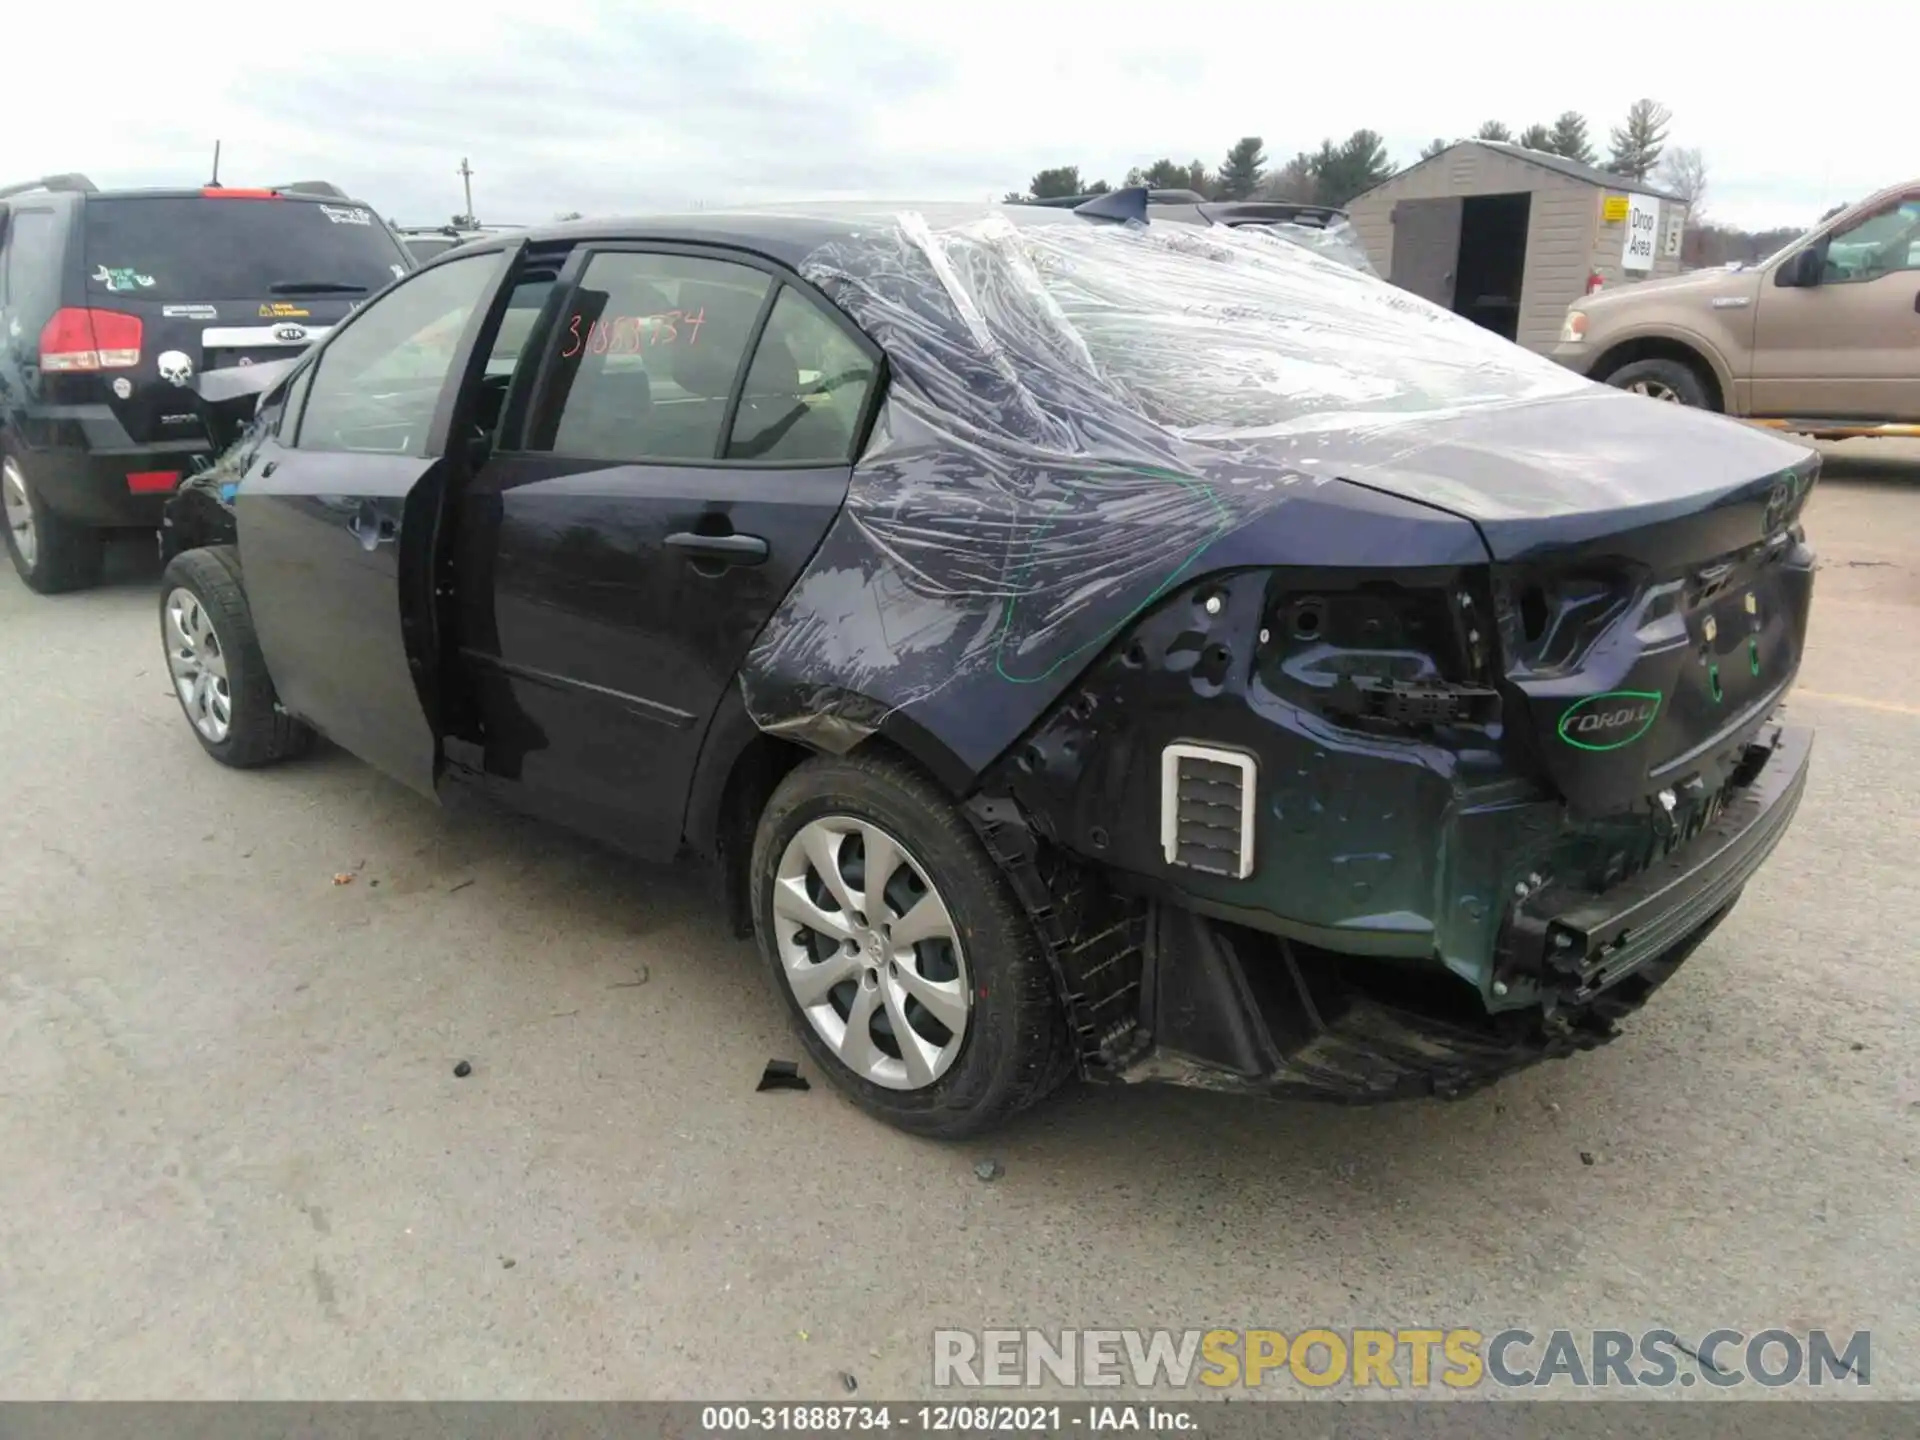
<point x="51" y="182"/>
<point x="313" y="187"/>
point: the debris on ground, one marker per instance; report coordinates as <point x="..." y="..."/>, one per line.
<point x="462" y="1070"/>
<point x="847" y="1380"/>
<point x="1586" y="1157"/>
<point x="344" y="877"/>
<point x="989" y="1170"/>
<point x="461" y="886"/>
<point x="506" y="1263"/>
<point x="782" y="1075"/>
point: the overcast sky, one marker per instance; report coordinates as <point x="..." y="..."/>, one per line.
<point x="627" y="105"/>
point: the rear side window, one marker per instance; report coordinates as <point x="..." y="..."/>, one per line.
<point x="199" y="248"/>
<point x="645" y="358"/>
<point x="33" y="256"/>
<point x="805" y="391"/>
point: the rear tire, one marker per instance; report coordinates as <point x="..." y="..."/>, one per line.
<point x="214" y="661"/>
<point x="49" y="552"/>
<point x="990" y="978"/>
<point x="1673" y="381"/>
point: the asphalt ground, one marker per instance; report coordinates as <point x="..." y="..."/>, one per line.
<point x="235" y="1160"/>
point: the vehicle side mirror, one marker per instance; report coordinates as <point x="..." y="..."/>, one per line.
<point x="1805" y="269"/>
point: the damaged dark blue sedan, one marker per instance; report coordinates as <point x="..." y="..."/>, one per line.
<point x="1077" y="645"/>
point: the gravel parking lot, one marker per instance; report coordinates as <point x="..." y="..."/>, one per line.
<point x="235" y="1160"/>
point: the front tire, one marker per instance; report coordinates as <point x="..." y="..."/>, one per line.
<point x="214" y="662"/>
<point x="49" y="552"/>
<point x="1673" y="381"/>
<point x="918" y="987"/>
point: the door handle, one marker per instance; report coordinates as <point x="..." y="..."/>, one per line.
<point x="727" y="549"/>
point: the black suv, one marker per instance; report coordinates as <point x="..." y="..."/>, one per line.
<point x="111" y="301"/>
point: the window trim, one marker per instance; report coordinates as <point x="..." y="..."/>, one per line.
<point x="567" y="286"/>
<point x="439" y="421"/>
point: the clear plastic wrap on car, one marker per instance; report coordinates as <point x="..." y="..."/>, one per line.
<point x="1077" y="413"/>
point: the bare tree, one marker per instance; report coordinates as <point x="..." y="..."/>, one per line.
<point x="1683" y="171"/>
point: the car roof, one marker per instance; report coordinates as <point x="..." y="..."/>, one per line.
<point x="786" y="233"/>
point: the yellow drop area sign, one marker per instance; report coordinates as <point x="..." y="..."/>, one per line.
<point x="1615" y="208"/>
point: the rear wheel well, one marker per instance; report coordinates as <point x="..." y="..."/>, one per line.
<point x="1658" y="347"/>
<point x="756" y="772"/>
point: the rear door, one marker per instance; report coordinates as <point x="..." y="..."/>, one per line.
<point x="685" y="441"/>
<point x="1849" y="346"/>
<point x="338" y="516"/>
<point x="223" y="278"/>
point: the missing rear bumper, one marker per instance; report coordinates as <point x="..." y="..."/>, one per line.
<point x="1575" y="944"/>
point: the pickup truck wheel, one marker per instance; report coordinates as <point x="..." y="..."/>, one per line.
<point x="907" y="967"/>
<point x="214" y="661"/>
<point x="50" y="553"/>
<point x="1674" y="381"/>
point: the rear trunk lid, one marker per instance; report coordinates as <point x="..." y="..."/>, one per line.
<point x="218" y="281"/>
<point x="1652" y="584"/>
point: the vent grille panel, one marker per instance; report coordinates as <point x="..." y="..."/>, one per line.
<point x="1206" y="809"/>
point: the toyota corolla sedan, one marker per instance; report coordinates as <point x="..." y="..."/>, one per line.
<point x="1077" y="645"/>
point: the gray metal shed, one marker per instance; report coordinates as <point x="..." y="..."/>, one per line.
<point x="1509" y="237"/>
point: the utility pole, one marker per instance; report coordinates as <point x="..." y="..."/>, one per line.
<point x="465" y="172"/>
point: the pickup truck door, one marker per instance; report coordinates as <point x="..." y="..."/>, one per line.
<point x="1848" y="347"/>
<point x="681" y="444"/>
<point x="337" y="516"/>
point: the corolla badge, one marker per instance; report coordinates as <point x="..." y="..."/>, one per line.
<point x="1609" y="721"/>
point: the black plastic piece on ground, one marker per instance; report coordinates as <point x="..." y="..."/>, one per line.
<point x="462" y="1070"/>
<point x="782" y="1075"/>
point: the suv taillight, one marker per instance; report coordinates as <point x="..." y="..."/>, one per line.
<point x="77" y="339"/>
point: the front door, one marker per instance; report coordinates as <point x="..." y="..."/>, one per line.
<point x="685" y="444"/>
<point x="1426" y="247"/>
<point x="336" y="519"/>
<point x="1850" y="346"/>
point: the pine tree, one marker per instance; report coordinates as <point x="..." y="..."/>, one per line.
<point x="1242" y="170"/>
<point x="1636" y="145"/>
<point x="1493" y="130"/>
<point x="1536" y="137"/>
<point x="1570" y="138"/>
<point x="1433" y="147"/>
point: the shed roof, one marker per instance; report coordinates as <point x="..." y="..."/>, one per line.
<point x="1572" y="169"/>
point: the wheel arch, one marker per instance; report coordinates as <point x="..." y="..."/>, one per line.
<point x="1687" y="350"/>
<point x="740" y="764"/>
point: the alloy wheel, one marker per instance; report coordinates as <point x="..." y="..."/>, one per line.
<point x="199" y="666"/>
<point x="871" y="952"/>
<point x="1655" y="390"/>
<point x="19" y="512"/>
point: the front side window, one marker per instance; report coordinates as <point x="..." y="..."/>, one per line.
<point x="379" y="377"/>
<point x="645" y="358"/>
<point x="805" y="390"/>
<point x="1876" y="245"/>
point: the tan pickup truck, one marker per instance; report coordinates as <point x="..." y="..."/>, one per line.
<point x="1821" y="338"/>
